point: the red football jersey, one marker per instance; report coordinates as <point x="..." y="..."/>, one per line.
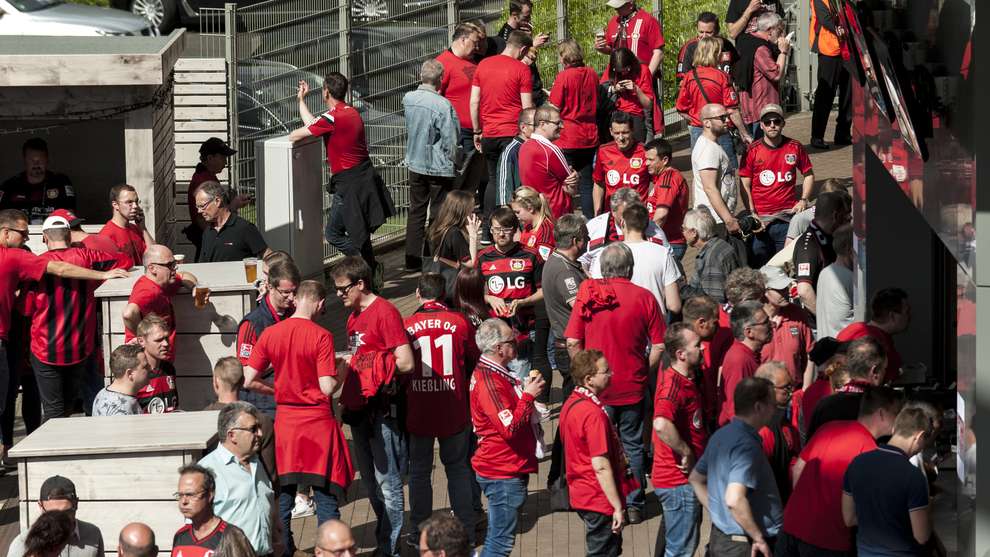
<point x="16" y="266"/>
<point x="543" y="167"/>
<point x="455" y="84"/>
<point x="512" y="275"/>
<point x="151" y="298"/>
<point x="185" y="543"/>
<point x="677" y="400"/>
<point x="575" y="92"/>
<point x="718" y="89"/>
<point x="301" y="352"/>
<point x="739" y="363"/>
<point x="501" y="413"/>
<point x="669" y="189"/>
<point x="501" y="79"/>
<point x="375" y="329"/>
<point x="129" y="240"/>
<point x="861" y="329"/>
<point x="342" y="130"/>
<point x="437" y="390"/>
<point x="540" y="240"/>
<point x="616" y="169"/>
<point x="714" y="351"/>
<point x="773" y="171"/>
<point x="641" y="33"/>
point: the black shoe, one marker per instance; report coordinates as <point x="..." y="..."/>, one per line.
<point x="818" y="143"/>
<point x="635" y="515"/>
<point x="843" y="141"/>
<point x="412" y="539"/>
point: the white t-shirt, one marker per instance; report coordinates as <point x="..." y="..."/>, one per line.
<point x="653" y="269"/>
<point x="708" y="155"/>
<point x="799" y="223"/>
<point x="834" y="308"/>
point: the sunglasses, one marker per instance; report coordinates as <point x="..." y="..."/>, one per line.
<point x="723" y="117"/>
<point x="773" y="122"/>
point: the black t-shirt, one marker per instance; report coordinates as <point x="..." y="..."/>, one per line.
<point x="813" y="252"/>
<point x="38" y="200"/>
<point x="738" y="7"/>
<point x="685" y="60"/>
<point x="234" y="241"/>
<point x="454" y="246"/>
<point x="836" y="406"/>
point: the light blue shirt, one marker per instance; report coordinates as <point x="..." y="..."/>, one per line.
<point x="433" y="132"/>
<point x="244" y="499"/>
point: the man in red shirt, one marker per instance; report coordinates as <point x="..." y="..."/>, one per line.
<point x="79" y="236"/>
<point x="603" y="307"/>
<point x="792" y="338"/>
<point x="63" y="320"/>
<point x="502" y="411"/>
<point x="635" y="29"/>
<point x="701" y="312"/>
<point x="153" y="291"/>
<point x="437" y="403"/>
<point x="361" y="202"/>
<point x="542" y="165"/>
<point x="309" y="443"/>
<point x="379" y="347"/>
<point x="891" y="314"/>
<point x="781" y="438"/>
<point x="813" y="522"/>
<point x="598" y="474"/>
<point x="161" y="395"/>
<point x="501" y="87"/>
<point x="458" y="74"/>
<point x="619" y="164"/>
<point x="126" y="227"/>
<point x="667" y="196"/>
<point x="751" y="329"/>
<point x="678" y="440"/>
<point x="769" y="173"/>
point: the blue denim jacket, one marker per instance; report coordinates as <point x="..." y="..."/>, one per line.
<point x="433" y="132"/>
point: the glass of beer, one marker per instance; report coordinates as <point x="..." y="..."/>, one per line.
<point x="200" y="293"/>
<point x="251" y="269"/>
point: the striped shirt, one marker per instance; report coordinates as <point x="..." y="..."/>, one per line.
<point x="507" y="178"/>
<point x="542" y="166"/>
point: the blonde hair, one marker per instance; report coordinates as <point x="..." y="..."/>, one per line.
<point x="707" y="52"/>
<point x="151" y="322"/>
<point x="570" y="53"/>
<point x="229" y="371"/>
<point x="534" y="202"/>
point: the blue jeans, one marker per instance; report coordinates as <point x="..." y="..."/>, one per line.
<point x="725" y="140"/>
<point x="628" y="421"/>
<point x="681" y="520"/>
<point x="454" y="456"/>
<point x="678" y="250"/>
<point x="326" y="509"/>
<point x="766" y="244"/>
<point x="380" y="455"/>
<point x="505" y="498"/>
<point x="523" y="362"/>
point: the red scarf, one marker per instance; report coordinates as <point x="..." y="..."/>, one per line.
<point x="855" y="386"/>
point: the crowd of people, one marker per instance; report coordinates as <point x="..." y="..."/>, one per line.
<point x="703" y="333"/>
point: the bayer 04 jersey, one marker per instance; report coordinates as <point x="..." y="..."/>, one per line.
<point x="512" y="275"/>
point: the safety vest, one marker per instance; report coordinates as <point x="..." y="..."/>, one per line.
<point x="821" y="39"/>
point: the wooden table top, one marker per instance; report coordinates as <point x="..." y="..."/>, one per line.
<point x="120" y="434"/>
<point x="218" y="277"/>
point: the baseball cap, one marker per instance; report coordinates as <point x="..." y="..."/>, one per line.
<point x="58" y="487"/>
<point x="617" y="3"/>
<point x="54" y="222"/>
<point x="69" y="217"/>
<point x="215" y="146"/>
<point x="775" y="277"/>
<point x="772" y="109"/>
<point x="825" y="348"/>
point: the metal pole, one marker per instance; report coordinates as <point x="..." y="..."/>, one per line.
<point x="344" y="18"/>
<point x="453" y="16"/>
<point x="561" y="20"/>
<point x="807" y="62"/>
<point x="230" y="38"/>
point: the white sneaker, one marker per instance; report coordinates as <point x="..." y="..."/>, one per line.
<point x="304" y="507"/>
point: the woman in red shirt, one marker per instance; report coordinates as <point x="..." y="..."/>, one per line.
<point x="534" y="215"/>
<point x="631" y="85"/>
<point x="575" y="94"/>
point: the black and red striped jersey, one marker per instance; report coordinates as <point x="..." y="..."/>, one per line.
<point x="63" y="311"/>
<point x="160" y="395"/>
<point x="512" y="275"/>
<point x="185" y="544"/>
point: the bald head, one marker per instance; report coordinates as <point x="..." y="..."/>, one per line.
<point x="157" y="253"/>
<point x="776" y="373"/>
<point x="137" y="540"/>
<point x="711" y="110"/>
<point x="334" y="536"/>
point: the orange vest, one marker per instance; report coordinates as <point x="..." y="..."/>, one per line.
<point x="821" y="39"/>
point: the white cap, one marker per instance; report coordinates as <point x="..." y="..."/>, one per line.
<point x="775" y="278"/>
<point x="617" y="3"/>
<point x="54" y="222"/>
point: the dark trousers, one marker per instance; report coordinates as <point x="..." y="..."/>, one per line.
<point x="583" y="160"/>
<point x="721" y="544"/>
<point x="832" y="76"/>
<point x="556" y="457"/>
<point x="336" y="232"/>
<point x="426" y="193"/>
<point x="474" y="172"/>
<point x="57" y="387"/>
<point x="492" y="148"/>
<point x="19" y="375"/>
<point x="538" y="357"/>
<point x="327" y="507"/>
<point x="789" y="546"/>
<point x="598" y="537"/>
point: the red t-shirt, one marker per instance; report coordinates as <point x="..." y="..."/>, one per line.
<point x="718" y="88"/>
<point x="501" y="79"/>
<point x="151" y="298"/>
<point x="342" y="130"/>
<point x="604" y="307"/>
<point x="642" y="34"/>
<point x="669" y="189"/>
<point x="616" y="169"/>
<point x="129" y="240"/>
<point x="713" y="351"/>
<point x="63" y="326"/>
<point x="301" y="352"/>
<point x="740" y="362"/>
<point x="773" y="171"/>
<point x="860" y="329"/>
<point x="101" y="243"/>
<point x="455" y="84"/>
<point x="501" y="413"/>
<point x="201" y="175"/>
<point x="542" y="166"/>
<point x="377" y="328"/>
<point x="575" y="93"/>
<point x="791" y="342"/>
<point x="437" y="391"/>
<point x="16" y="266"/>
<point x="587" y="432"/>
<point x="819" y="389"/>
<point x="677" y="399"/>
<point x="628" y="101"/>
<point x="540" y="240"/>
<point x="814" y="511"/>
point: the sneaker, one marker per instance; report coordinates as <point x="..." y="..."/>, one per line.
<point x="635" y="515"/>
<point x="304" y="507"/>
<point x="412" y="540"/>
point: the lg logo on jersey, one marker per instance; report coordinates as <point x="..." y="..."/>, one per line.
<point x="613" y="177"/>
<point x="497" y="284"/>
<point x="768" y="177"/>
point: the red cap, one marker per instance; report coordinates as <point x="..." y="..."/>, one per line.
<point x="68" y="215"/>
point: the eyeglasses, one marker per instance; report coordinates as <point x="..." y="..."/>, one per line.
<point x="255" y="429"/>
<point x="201" y="206"/>
<point x="24" y="233"/>
<point x="343" y="290"/>
<point x="558" y="123"/>
<point x="723" y="117"/>
<point x="786" y="388"/>
<point x="171" y="265"/>
<point x="194" y="495"/>
<point x="285" y="293"/>
<point x="339" y="552"/>
<point x="502" y="230"/>
<point x="773" y="122"/>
